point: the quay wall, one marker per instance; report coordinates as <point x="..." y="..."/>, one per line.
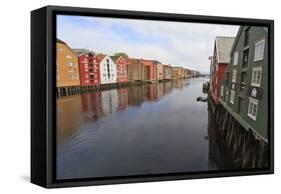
<point x="246" y="149"/>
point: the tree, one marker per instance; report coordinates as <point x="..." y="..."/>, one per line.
<point x="121" y="54"/>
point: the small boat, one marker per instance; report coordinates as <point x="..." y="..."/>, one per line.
<point x="202" y="99"/>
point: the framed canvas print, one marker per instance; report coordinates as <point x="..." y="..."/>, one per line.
<point x="125" y="96"/>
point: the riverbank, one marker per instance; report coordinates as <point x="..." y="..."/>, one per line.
<point x="72" y="90"/>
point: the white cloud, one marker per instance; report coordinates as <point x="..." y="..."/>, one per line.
<point x="185" y="44"/>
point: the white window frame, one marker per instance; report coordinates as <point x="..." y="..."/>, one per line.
<point x="226" y="95"/>
<point x="235" y="58"/>
<point x="254" y="81"/>
<point x="252" y="102"/>
<point x="259" y="51"/>
<point x="232" y="96"/>
<point x="234" y="80"/>
<point x="70" y="69"/>
<point x="222" y="88"/>
<point x="70" y="76"/>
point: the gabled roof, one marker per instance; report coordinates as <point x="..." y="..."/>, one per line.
<point x="236" y="39"/>
<point x="133" y="60"/>
<point x="178" y="67"/>
<point x="60" y="41"/>
<point x="81" y="51"/>
<point x="148" y="62"/>
<point x="115" y="58"/>
<point x="101" y="57"/>
<point x="223" y="48"/>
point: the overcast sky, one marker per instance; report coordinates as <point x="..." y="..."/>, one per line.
<point x="177" y="43"/>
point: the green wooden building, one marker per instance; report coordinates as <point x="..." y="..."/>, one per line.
<point x="244" y="89"/>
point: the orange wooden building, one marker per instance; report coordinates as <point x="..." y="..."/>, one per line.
<point x="66" y="66"/>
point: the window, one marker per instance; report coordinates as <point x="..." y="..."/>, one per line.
<point x="243" y="80"/>
<point x="86" y="76"/>
<point x="259" y="50"/>
<point x="68" y="56"/>
<point x="86" y="65"/>
<point x="234" y="75"/>
<point x="70" y="69"/>
<point x="70" y="64"/>
<point x="232" y="96"/>
<point x="256" y="76"/>
<point x="235" y="58"/>
<point x="222" y="88"/>
<point x="245" y="57"/>
<point x="86" y="70"/>
<point x="226" y="95"/>
<point x="253" y="108"/>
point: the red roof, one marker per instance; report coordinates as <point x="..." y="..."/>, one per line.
<point x="148" y="62"/>
<point x="101" y="57"/>
<point x="132" y="60"/>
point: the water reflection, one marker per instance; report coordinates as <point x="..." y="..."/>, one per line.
<point x="143" y="129"/>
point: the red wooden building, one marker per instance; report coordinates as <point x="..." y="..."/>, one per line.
<point x="121" y="67"/>
<point x="150" y="69"/>
<point x="164" y="69"/>
<point x="219" y="62"/>
<point x="89" y="69"/>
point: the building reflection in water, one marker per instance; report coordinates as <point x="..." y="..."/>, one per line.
<point x="92" y="106"/>
<point x="135" y="95"/>
<point x="122" y="98"/>
<point x="177" y="84"/>
<point x="68" y="116"/>
<point x="150" y="92"/>
<point x="74" y="110"/>
<point x="218" y="152"/>
<point x="109" y="101"/>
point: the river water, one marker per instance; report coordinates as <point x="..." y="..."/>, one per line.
<point x="137" y="130"/>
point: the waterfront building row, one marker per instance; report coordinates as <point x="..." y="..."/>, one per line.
<point x="81" y="67"/>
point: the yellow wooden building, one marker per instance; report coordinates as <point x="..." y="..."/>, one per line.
<point x="67" y="66"/>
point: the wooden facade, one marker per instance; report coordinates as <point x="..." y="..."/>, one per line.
<point x="219" y="62"/>
<point x="121" y="67"/>
<point x="67" y="66"/>
<point x="150" y="73"/>
<point x="245" y="82"/>
<point x="108" y="70"/>
<point x="89" y="69"/>
<point x="177" y="72"/>
<point x="135" y="69"/>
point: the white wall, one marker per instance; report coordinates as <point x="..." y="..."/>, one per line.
<point x="15" y="101"/>
<point x="104" y="72"/>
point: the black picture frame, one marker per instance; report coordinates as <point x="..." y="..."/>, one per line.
<point x="43" y="94"/>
